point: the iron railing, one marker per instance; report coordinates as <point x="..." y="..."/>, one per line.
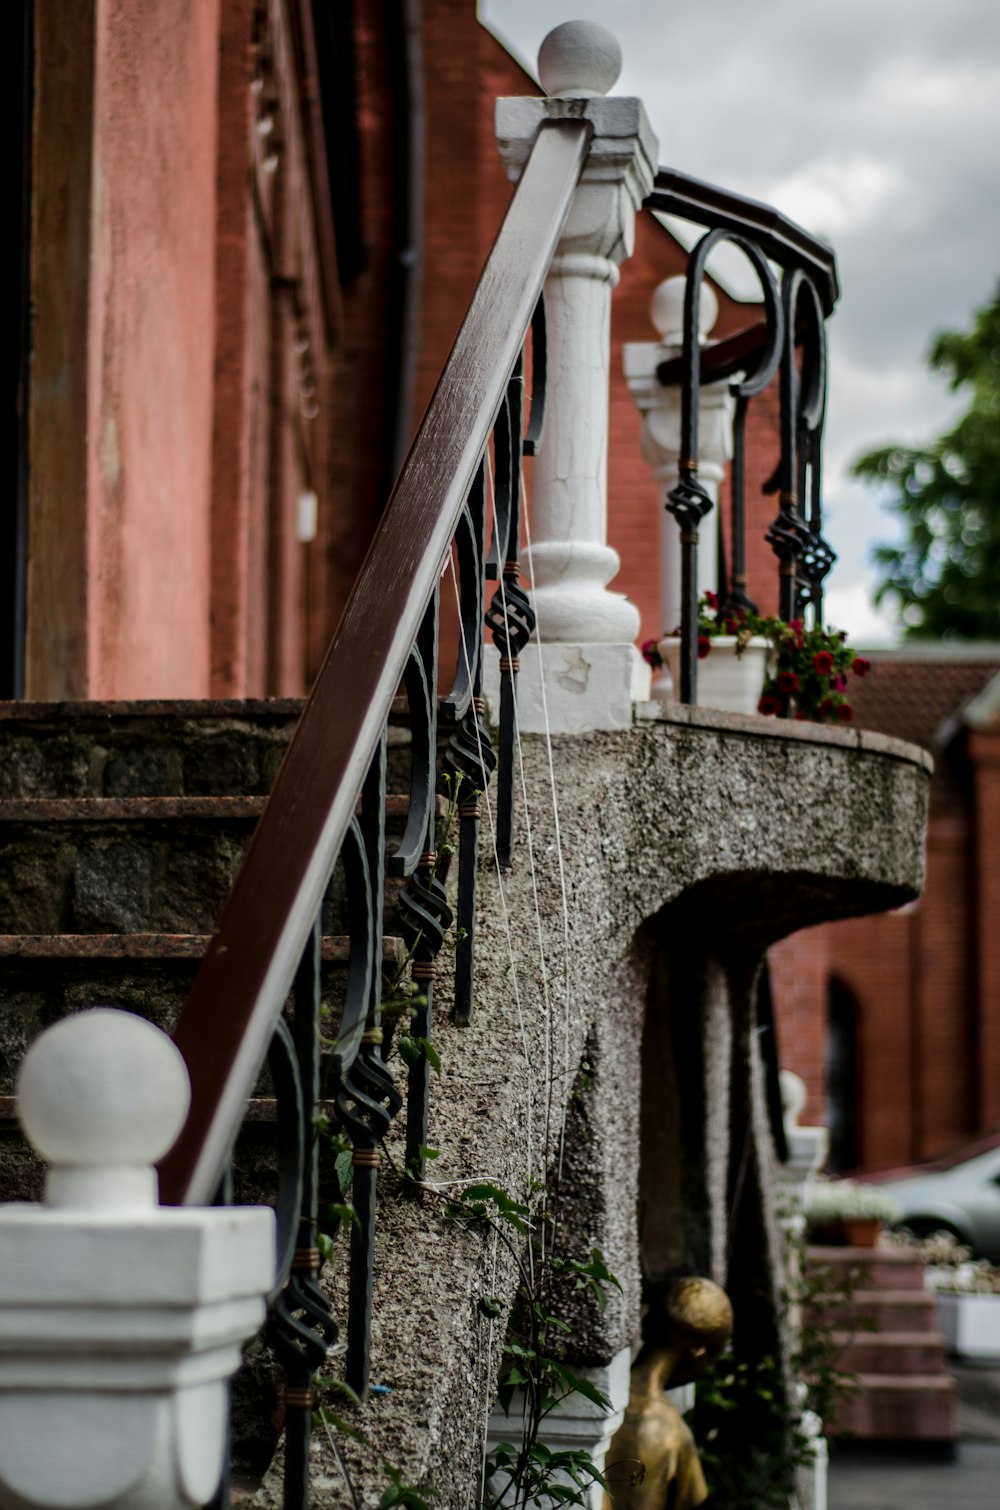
<point x="268" y="941"/>
<point x="329" y="800"/>
<point x="790" y="341"/>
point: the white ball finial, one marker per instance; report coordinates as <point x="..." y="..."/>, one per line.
<point x="666" y="310"/>
<point x="101" y="1096"/>
<point x="579" y="59"/>
<point x="793" y="1097"/>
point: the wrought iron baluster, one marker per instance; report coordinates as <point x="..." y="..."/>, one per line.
<point x="510" y="616"/>
<point x="788" y="535"/>
<point x="367" y="1099"/>
<point x="539" y="369"/>
<point x="469" y="759"/>
<point x="688" y="500"/>
<point x="817" y="557"/>
<point x="424" y="915"/>
<point x="754" y="381"/>
<point x="302" y="1327"/>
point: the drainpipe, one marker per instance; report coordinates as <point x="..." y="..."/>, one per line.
<point x="408" y="224"/>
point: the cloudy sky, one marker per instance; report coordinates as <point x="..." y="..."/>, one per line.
<point x="875" y="123"/>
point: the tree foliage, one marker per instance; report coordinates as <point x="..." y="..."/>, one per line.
<point x="945" y="576"/>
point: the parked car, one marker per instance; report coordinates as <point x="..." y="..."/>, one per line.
<point x="959" y="1193"/>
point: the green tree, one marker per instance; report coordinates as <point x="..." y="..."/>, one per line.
<point x="945" y="576"/>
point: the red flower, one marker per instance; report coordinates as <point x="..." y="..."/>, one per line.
<point x="800" y="716"/>
<point x="795" y="625"/>
<point x="650" y="653"/>
<point x="731" y="626"/>
<point x="770" y="705"/>
<point x="845" y="713"/>
<point x="712" y="599"/>
<point x="840" y="682"/>
<point x="823" y="662"/>
<point x="860" y="666"/>
<point x="704" y="646"/>
<point x="787" y="682"/>
<point x="826" y="706"/>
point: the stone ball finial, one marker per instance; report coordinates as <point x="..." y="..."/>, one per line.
<point x="666" y="310"/>
<point x="793" y="1096"/>
<point x="101" y="1096"/>
<point x="580" y="59"/>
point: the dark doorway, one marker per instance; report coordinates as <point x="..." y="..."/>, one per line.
<point x="842" y="1078"/>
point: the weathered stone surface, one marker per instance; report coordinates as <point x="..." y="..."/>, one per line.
<point x="143" y="749"/>
<point x="688" y="846"/>
<point x="111" y="889"/>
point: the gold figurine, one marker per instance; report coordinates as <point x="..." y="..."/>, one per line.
<point x="652" y="1463"/>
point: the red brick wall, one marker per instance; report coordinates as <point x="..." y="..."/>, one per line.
<point x="985" y="753"/>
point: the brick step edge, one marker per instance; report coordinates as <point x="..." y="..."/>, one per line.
<point x="906" y="1383"/>
<point x="159" y="809"/>
<point x="335" y="948"/>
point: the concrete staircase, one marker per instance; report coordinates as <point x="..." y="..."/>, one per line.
<point x="905" y="1391"/>
<point x="121" y="828"/>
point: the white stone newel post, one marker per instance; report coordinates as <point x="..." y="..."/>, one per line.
<point x="807" y="1151"/>
<point x="120" y="1320"/>
<point x="584" y="633"/>
<point x="661" y="444"/>
<point x="575" y="1424"/>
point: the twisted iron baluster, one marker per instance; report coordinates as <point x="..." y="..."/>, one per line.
<point x="817" y="556"/>
<point x="423" y="913"/>
<point x="469" y="760"/>
<point x="510" y="616"/>
<point x="301" y="1326"/>
<point x="688" y="500"/>
<point x="733" y="595"/>
<point x="367" y="1099"/>
<point x="788" y="535"/>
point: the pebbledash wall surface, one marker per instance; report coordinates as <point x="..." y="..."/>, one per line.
<point x="651" y="986"/>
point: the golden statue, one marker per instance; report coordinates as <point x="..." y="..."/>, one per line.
<point x="652" y="1463"/>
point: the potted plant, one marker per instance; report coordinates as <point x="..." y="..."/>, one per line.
<point x="968" y="1297"/>
<point x="849" y="1214"/>
<point x="756" y="664"/>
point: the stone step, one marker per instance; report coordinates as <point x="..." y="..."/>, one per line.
<point x="888" y="1353"/>
<point x="885" y="1407"/>
<point x="133" y="864"/>
<point x="878" y="1268"/>
<point x="134" y="749"/>
<point x="48" y="977"/>
<point x="219" y="747"/>
<point x="887" y="1311"/>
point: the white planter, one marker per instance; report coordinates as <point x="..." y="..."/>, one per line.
<point x="970" y="1324"/>
<point x="727" y="681"/>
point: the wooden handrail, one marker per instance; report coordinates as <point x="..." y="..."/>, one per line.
<point x="237" y="996"/>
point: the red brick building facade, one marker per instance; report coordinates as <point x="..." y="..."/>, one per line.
<point x="893" y="1020"/>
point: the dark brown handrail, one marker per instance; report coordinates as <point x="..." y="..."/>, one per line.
<point x="788" y="244"/>
<point x="237" y="996"/>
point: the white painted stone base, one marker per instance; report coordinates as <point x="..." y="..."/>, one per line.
<point x="576" y="1424"/>
<point x="586" y="687"/>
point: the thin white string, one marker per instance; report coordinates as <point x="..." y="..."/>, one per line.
<point x="489" y="1369"/>
<point x="539" y="931"/>
<point x="504" y="914"/>
<point x="555" y="814"/>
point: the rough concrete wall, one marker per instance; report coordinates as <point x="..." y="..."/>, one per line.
<point x="740" y="830"/>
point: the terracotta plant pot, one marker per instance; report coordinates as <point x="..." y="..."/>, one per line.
<point x="861" y="1231"/>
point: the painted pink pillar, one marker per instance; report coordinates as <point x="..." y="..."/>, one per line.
<point x="151" y="349"/>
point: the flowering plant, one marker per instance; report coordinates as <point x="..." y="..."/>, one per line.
<point x="808" y="669"/>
